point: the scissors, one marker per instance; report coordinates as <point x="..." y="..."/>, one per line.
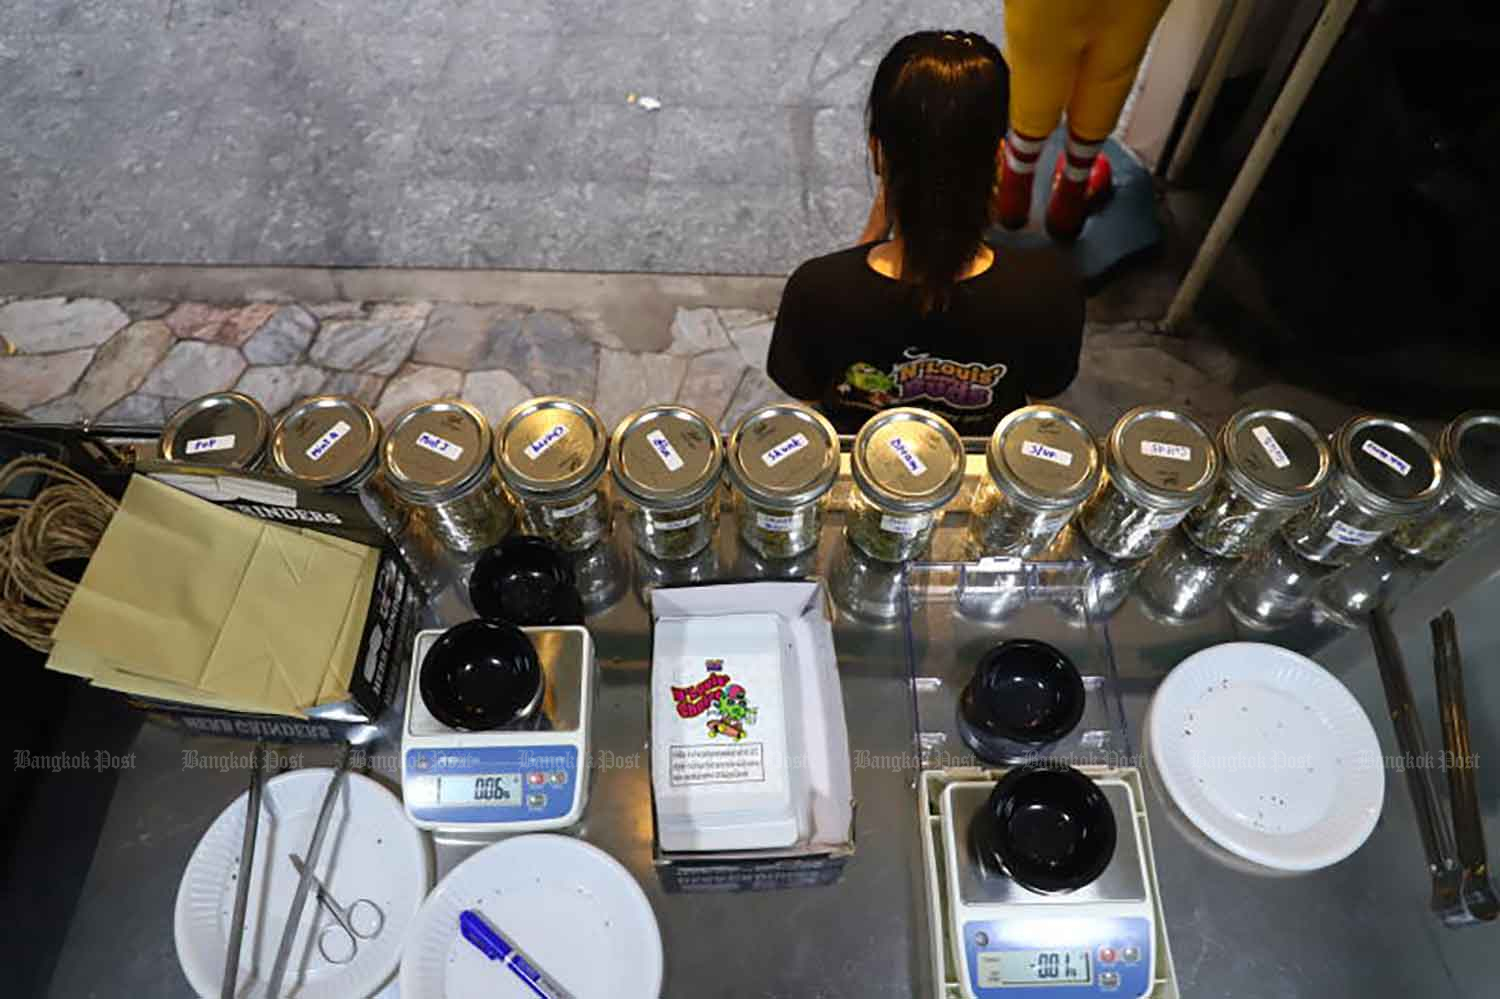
<point x="362" y="920"/>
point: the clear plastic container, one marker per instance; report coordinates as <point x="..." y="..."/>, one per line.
<point x="1158" y="465"/>
<point x="907" y="465"/>
<point x="437" y="460"/>
<point x="552" y="453"/>
<point x="1384" y="473"/>
<point x="1043" y="464"/>
<point x="783" y="459"/>
<point x="1275" y="463"/>
<point x="667" y="461"/>
<point x="1469" y="450"/>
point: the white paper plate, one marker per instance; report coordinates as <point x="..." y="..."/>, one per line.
<point x="1268" y="755"/>
<point x="567" y="905"/>
<point x="369" y="851"/>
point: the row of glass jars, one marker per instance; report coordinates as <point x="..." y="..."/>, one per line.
<point x="1268" y="471"/>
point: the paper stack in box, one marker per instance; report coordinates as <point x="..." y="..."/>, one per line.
<point x="185" y="601"/>
<point x="749" y="750"/>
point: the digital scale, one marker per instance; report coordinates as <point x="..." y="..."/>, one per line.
<point x="509" y="780"/>
<point x="993" y="938"/>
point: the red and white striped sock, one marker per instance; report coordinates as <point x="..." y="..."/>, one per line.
<point x="1022" y="152"/>
<point x="1081" y="156"/>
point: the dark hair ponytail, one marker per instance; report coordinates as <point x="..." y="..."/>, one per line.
<point x="938" y="109"/>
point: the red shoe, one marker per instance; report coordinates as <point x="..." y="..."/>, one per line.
<point x="1101" y="184"/>
<point x="1011" y="204"/>
<point x="1068" y="206"/>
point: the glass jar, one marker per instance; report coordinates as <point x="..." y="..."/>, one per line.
<point x="783" y="459"/>
<point x="1158" y="465"/>
<point x="225" y="430"/>
<point x="1275" y="463"/>
<point x="907" y="465"/>
<point x="867" y="589"/>
<point x="667" y="461"/>
<point x="552" y="453"/>
<point x="1042" y="465"/>
<point x="1469" y="449"/>
<point x="437" y="459"/>
<point x="1384" y="473"/>
<point x="328" y="442"/>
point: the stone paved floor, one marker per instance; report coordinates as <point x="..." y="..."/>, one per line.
<point x="467" y="133"/>
<point x="136" y="361"/>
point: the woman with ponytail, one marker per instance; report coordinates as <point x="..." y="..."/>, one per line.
<point x="923" y="312"/>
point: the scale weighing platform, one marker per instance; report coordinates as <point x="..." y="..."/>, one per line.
<point x="995" y="939"/>
<point x="508" y="780"/>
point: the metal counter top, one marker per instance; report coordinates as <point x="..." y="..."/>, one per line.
<point x="1359" y="928"/>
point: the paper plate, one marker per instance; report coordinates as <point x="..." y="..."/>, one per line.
<point x="1268" y="755"/>
<point x="369" y="851"/>
<point x="567" y="905"/>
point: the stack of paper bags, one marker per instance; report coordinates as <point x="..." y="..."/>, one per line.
<point x="187" y="601"/>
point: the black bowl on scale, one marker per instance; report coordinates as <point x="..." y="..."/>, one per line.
<point x="1046" y="826"/>
<point x="482" y="675"/>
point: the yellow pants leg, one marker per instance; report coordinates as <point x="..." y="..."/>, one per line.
<point x="1075" y="55"/>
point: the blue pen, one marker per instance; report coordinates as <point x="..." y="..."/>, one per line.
<point x="495" y="947"/>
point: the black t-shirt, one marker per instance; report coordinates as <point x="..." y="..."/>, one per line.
<point x="854" y="342"/>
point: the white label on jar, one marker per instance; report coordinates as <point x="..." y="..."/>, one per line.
<point x="1156" y="449"/>
<point x="1346" y="535"/>
<point x="1162" y="521"/>
<point x="1385" y="457"/>
<point x="330" y="437"/>
<point x="1272" y="449"/>
<point x="903" y="451"/>
<point x="664" y="450"/>
<point x="1056" y="455"/>
<point x="785" y="449"/>
<point x="563" y="512"/>
<point x="677" y="525"/>
<point x="909" y="526"/>
<point x="203" y="445"/>
<point x="778" y="522"/>
<point x="535" y="449"/>
<point x="440" y="445"/>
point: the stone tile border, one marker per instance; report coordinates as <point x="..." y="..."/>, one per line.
<point x="137" y="360"/>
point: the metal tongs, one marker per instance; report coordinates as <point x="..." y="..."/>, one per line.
<point x="1462" y="893"/>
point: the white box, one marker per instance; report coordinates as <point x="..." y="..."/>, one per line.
<point x="779" y="785"/>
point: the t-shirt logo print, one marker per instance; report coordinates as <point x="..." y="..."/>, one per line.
<point x="963" y="385"/>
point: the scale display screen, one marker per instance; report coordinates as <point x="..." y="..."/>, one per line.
<point x="1001" y="969"/>
<point x="481" y="789"/>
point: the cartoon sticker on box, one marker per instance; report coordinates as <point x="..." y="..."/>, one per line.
<point x="727" y="703"/>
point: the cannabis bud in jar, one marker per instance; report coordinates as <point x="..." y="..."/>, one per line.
<point x="1385" y="473"/>
<point x="667" y="461"/>
<point x="1469" y="449"/>
<point x="1158" y="465"/>
<point x="1042" y="465"/>
<point x="783" y="460"/>
<point x="437" y="459"/>
<point x="1275" y="463"/>
<point x="552" y="453"/>
<point x="908" y="464"/>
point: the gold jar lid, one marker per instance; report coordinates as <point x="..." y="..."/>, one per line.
<point x="226" y="429"/>
<point x="908" y="460"/>
<point x="327" y="441"/>
<point x="551" y="447"/>
<point x="1044" y="456"/>
<point x="784" y="455"/>
<point x="1162" y="459"/>
<point x="666" y="456"/>
<point x="436" y="450"/>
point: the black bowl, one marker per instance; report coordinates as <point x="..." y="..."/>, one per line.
<point x="527" y="581"/>
<point x="1023" y="694"/>
<point x="482" y="675"/>
<point x="1047" y="826"/>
